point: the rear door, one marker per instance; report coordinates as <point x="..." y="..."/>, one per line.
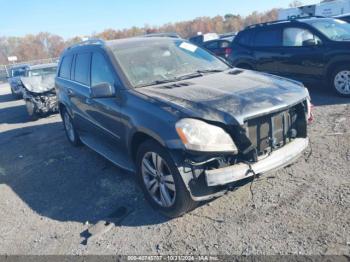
<point x="79" y="91"/>
<point x="265" y="48"/>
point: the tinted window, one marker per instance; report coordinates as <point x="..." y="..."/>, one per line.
<point x="224" y="44"/>
<point x="212" y="45"/>
<point x="18" y="72"/>
<point x="267" y="38"/>
<point x="297" y="36"/>
<point x="82" y="65"/>
<point x="65" y="67"/>
<point x="100" y="71"/>
<point x="244" y="38"/>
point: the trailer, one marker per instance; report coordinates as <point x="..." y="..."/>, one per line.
<point x="326" y="9"/>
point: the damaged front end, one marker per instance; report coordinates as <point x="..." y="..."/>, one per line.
<point x="265" y="143"/>
<point x="40" y="95"/>
<point x="40" y="104"/>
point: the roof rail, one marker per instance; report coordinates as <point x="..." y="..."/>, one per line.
<point x="95" y="41"/>
<point x="280" y="21"/>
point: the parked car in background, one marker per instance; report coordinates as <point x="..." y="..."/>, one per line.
<point x="228" y="36"/>
<point x="15" y="80"/>
<point x="311" y="50"/>
<point x="185" y="122"/>
<point x="39" y="89"/>
<point x="220" y="47"/>
<point x="200" y="39"/>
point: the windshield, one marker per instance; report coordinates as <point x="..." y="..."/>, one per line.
<point x="155" y="62"/>
<point x="334" y="29"/>
<point x="42" y="71"/>
<point x="18" y="72"/>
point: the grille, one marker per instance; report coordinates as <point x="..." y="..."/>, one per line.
<point x="272" y="131"/>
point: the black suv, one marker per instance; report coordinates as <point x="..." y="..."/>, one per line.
<point x="309" y="50"/>
<point x="185" y="122"/>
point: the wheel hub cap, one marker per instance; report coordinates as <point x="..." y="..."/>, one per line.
<point x="342" y="82"/>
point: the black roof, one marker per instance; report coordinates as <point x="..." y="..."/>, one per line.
<point x="297" y="20"/>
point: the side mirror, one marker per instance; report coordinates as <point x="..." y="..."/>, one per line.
<point x="102" y="90"/>
<point x="310" y="42"/>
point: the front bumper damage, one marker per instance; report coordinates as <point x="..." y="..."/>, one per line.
<point x="277" y="159"/>
<point x="42" y="103"/>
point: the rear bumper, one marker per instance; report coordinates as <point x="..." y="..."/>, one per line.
<point x="278" y="159"/>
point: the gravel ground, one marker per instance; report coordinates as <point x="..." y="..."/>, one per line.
<point x="51" y="193"/>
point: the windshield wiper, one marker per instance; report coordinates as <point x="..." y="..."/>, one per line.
<point x="210" y="71"/>
<point x="189" y="76"/>
<point x="157" y="82"/>
<point x="198" y="73"/>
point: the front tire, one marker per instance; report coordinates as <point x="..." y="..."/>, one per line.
<point x="14" y="95"/>
<point x="161" y="181"/>
<point x="69" y="129"/>
<point x="340" y="80"/>
<point x="32" y="110"/>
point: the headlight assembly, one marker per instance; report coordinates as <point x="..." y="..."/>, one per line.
<point x="198" y="135"/>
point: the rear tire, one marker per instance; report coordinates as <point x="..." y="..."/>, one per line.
<point x="70" y="130"/>
<point x="161" y="181"/>
<point x="340" y="80"/>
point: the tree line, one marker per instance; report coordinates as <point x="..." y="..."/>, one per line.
<point x="46" y="45"/>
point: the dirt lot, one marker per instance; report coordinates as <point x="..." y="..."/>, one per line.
<point x="50" y="193"/>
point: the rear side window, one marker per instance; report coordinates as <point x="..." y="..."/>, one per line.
<point x="212" y="45"/>
<point x="270" y="37"/>
<point x="65" y="67"/>
<point x="100" y="71"/>
<point x="82" y="68"/>
<point x="224" y="44"/>
<point x="244" y="38"/>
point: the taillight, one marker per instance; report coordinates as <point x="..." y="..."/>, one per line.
<point x="228" y="51"/>
<point x="310" y="116"/>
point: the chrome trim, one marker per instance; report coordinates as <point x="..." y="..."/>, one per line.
<point x="278" y="159"/>
<point x="74" y="82"/>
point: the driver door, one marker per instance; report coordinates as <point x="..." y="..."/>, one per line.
<point x="105" y="113"/>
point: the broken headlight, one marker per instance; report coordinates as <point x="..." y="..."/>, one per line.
<point x="198" y="135"/>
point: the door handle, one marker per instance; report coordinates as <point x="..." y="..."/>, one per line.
<point x="70" y="92"/>
<point x="88" y="101"/>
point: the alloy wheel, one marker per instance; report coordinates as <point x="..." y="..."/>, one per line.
<point x="342" y="82"/>
<point x="158" y="179"/>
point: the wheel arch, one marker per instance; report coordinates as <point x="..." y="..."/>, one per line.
<point x="334" y="66"/>
<point x="138" y="138"/>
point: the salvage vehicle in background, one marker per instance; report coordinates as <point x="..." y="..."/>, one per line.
<point x="185" y="122"/>
<point x="39" y="91"/>
<point x="16" y="72"/>
<point x="311" y="50"/>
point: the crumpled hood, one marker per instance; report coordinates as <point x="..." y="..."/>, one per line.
<point x="230" y="97"/>
<point x="39" y="84"/>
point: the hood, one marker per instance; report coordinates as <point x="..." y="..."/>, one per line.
<point x="230" y="97"/>
<point x="39" y="84"/>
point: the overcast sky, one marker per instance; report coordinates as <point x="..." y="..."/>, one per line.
<point x="70" y="18"/>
